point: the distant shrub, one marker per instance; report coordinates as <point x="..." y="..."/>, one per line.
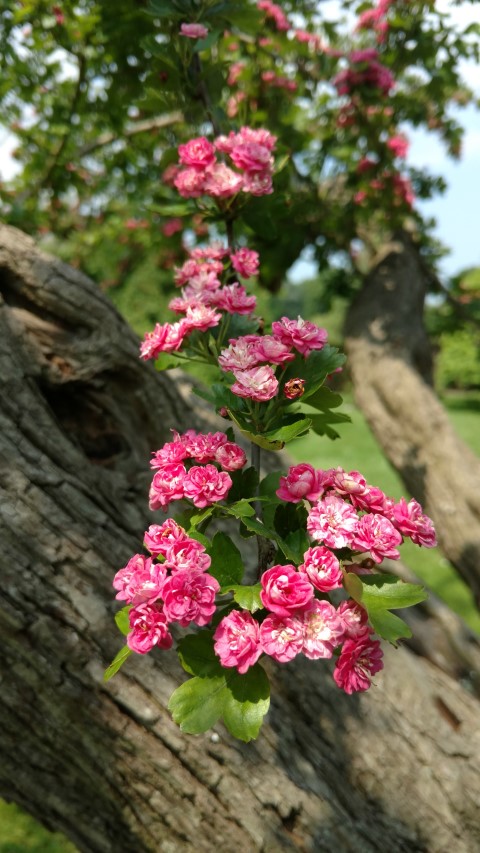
<point x="458" y="361"/>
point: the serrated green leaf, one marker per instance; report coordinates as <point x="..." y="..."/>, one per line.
<point x="227" y="564"/>
<point x="388" y="592"/>
<point x="198" y="703"/>
<point x="389" y="626"/>
<point x="247" y="702"/>
<point x="248" y="597"/>
<point x="241" y="509"/>
<point x="353" y="585"/>
<point x="323" y="399"/>
<point x="116" y="663"/>
<point x="122" y="621"/>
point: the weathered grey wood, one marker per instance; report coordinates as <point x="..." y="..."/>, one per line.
<point x="396" y="769"/>
<point x="388" y="355"/>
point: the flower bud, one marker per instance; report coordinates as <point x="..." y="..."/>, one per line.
<point x="294" y="388"/>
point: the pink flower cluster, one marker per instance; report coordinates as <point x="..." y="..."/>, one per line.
<point x="203" y="484"/>
<point x="203" y="296"/>
<point x="349" y="513"/>
<point x="279" y="82"/>
<point x="275" y="13"/>
<point x="193" y="31"/>
<point x="250" y="151"/>
<point x="374" y="19"/>
<point x="298" y="623"/>
<point x="177" y="589"/>
<point x="365" y="71"/>
<point x="245" y="357"/>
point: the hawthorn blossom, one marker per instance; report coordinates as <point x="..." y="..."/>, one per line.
<point x="333" y="522"/>
<point x="148" y="629"/>
<point x="166" y="338"/>
<point x="189" y="597"/>
<point x="270" y="349"/>
<point x="203" y="446"/>
<point x="285" y="591"/>
<point x="205" y="485"/>
<point x="300" y="334"/>
<point x="252" y="157"/>
<point x="323" y="630"/>
<point x="352" y="483"/>
<point x="199" y="153"/>
<point x="258" y="383"/>
<point x="187" y="555"/>
<point x="294" y="388"/>
<point x="201" y="317"/>
<point x="237" y="640"/>
<point x="240" y="355"/>
<point x="230" y="456"/>
<point x="171" y="452"/>
<point x="140" y="580"/>
<point x="276" y="13"/>
<point x="159" y="538"/>
<point x="258" y="183"/>
<point x="377" y="535"/>
<point x="167" y="486"/>
<point x="245" y="262"/>
<point x="410" y="520"/>
<point x="353" y="617"/>
<point x="398" y="145"/>
<point x="359" y="660"/>
<point x="190" y="182"/>
<point x="193" y="31"/>
<point x="322" y="568"/>
<point x="234" y="299"/>
<point x="301" y="483"/>
<point x="221" y="181"/>
<point x="281" y="637"/>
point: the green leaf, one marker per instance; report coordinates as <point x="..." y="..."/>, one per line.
<point x="241" y="700"/>
<point x="198" y="703"/>
<point x="227" y="564"/>
<point x="116" y="663"/>
<point x="289" y="431"/>
<point x="166" y="360"/>
<point x="389" y="626"/>
<point x="248" y="597"/>
<point x="241" y="509"/>
<point x="244" y="483"/>
<point x="122" y="621"/>
<point x="387" y="591"/>
<point x="260" y="529"/>
<point x="324" y="400"/>
<point x="197" y="655"/>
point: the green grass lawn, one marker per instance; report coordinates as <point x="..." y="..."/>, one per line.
<point x="357" y="449"/>
<point x="19" y="833"/>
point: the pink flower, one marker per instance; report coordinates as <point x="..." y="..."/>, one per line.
<point x="230" y="456"/>
<point x="222" y="182"/>
<point x="359" y="660"/>
<point x="204" y="485"/>
<point x="258" y="383"/>
<point x="240" y="355"/>
<point x="322" y="568"/>
<point x="353" y="617"/>
<point x="322" y="628"/>
<point x="234" y="299"/>
<point x="203" y="447"/>
<point x="273" y="11"/>
<point x="349" y="484"/>
<point x="285" y="591"/>
<point x="410" y="521"/>
<point x="172" y="226"/>
<point x="332" y="521"/>
<point x="187" y="555"/>
<point x="398" y="145"/>
<point x="190" y="182"/>
<point x="187" y="271"/>
<point x="189" y="598"/>
<point x="166" y="338"/>
<point x="199" y="153"/>
<point x="140" y="580"/>
<point x="245" y="262"/>
<point x="371" y="500"/>
<point x="201" y="317"/>
<point x="171" y="452"/>
<point x="159" y="538"/>
<point x="300" y="334"/>
<point x="376" y="534"/>
<point x="281" y="637"/>
<point x="167" y="486"/>
<point x="252" y="157"/>
<point x="270" y="349"/>
<point x="193" y="31"/>
<point x="301" y="483"/>
<point x="148" y="629"/>
<point x="237" y="640"/>
<point x="258" y="183"/>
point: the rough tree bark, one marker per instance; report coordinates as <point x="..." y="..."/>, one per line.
<point x="396" y="769"/>
<point x="390" y="364"/>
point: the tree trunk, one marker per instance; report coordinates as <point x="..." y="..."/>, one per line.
<point x="388" y="356"/>
<point x="395" y="769"/>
